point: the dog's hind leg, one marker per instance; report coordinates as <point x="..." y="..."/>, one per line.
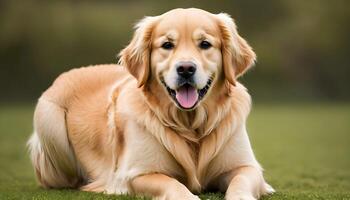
<point x="51" y="153"/>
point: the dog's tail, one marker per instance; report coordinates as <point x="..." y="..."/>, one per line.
<point x="51" y="153"/>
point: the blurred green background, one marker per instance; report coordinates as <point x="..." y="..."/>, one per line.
<point x="300" y="123"/>
<point x="302" y="46"/>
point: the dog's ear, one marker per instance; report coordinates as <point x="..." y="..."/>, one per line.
<point x="136" y="56"/>
<point x="237" y="55"/>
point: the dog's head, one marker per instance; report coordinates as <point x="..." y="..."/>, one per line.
<point x="187" y="52"/>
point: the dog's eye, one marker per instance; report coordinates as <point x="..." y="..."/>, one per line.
<point x="205" y="45"/>
<point x="167" y="45"/>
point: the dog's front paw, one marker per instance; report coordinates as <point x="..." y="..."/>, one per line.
<point x="195" y="197"/>
<point x="240" y="196"/>
<point x="119" y="187"/>
<point x="178" y="195"/>
<point x="182" y="197"/>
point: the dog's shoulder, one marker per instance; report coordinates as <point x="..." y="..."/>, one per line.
<point x="241" y="100"/>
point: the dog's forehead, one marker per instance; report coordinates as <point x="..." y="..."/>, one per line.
<point x="186" y="21"/>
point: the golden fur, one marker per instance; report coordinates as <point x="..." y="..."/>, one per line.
<point x="115" y="129"/>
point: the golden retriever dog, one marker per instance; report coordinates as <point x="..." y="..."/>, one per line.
<point x="169" y="122"/>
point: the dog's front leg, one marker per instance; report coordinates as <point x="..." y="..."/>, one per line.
<point x="245" y="184"/>
<point x="162" y="187"/>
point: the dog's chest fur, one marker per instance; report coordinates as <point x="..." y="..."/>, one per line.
<point x="186" y="143"/>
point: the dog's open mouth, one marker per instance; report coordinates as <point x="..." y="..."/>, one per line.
<point x="187" y="96"/>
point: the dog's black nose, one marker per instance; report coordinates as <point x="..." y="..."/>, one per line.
<point x="186" y="69"/>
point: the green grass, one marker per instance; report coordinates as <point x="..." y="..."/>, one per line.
<point x="305" y="150"/>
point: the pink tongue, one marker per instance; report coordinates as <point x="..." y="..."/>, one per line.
<point x="187" y="96"/>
